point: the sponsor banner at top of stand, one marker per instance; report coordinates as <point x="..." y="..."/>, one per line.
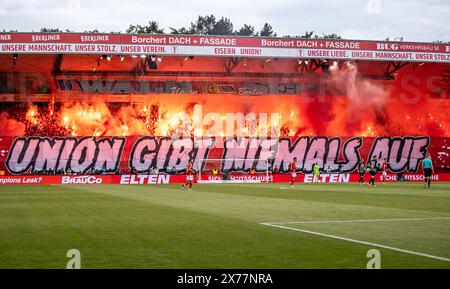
<point x="226" y="41"/>
<point x="306" y="53"/>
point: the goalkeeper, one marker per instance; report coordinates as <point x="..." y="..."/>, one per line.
<point x="316" y="172"/>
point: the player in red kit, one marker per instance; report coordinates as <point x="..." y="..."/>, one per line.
<point x="293" y="170"/>
<point x="189" y="176"/>
<point x="384" y="172"/>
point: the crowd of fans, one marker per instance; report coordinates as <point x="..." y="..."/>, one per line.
<point x="45" y="122"/>
<point x="150" y="117"/>
<point x="44" y="119"/>
<point x="46" y="125"/>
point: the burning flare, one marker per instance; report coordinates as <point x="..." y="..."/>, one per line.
<point x="349" y="106"/>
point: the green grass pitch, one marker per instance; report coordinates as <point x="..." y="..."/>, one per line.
<point x="219" y="225"/>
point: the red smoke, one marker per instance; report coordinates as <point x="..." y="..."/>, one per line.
<point x="9" y="126"/>
<point x="349" y="105"/>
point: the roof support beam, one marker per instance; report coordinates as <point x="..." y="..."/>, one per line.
<point x="231" y="64"/>
<point x="393" y="67"/>
<point x="58" y="62"/>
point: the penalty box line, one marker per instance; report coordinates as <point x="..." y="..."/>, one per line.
<point x="336" y="237"/>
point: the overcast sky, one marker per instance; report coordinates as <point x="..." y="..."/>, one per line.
<point x="415" y="20"/>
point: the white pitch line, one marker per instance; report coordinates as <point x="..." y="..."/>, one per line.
<point x="357" y="221"/>
<point x="360" y="242"/>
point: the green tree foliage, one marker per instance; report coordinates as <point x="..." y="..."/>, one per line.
<point x="54" y="30"/>
<point x="311" y="34"/>
<point x="223" y="27"/>
<point x="267" y="31"/>
<point x="328" y="36"/>
<point x="208" y="25"/>
<point x="182" y="30"/>
<point x="246" y="30"/>
<point x="308" y="34"/>
<point x="50" y="30"/>
<point x="204" y="25"/>
<point x="151" y="28"/>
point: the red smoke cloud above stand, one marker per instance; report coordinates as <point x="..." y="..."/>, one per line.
<point x="346" y="104"/>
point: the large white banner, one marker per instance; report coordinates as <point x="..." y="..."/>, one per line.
<point x="125" y="44"/>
